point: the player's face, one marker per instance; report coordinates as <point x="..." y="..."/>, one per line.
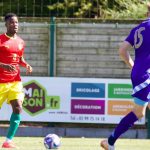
<point x="12" y="25"/>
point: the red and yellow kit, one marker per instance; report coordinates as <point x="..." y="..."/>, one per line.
<point x="11" y="49"/>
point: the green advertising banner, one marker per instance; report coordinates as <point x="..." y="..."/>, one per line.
<point x="119" y="90"/>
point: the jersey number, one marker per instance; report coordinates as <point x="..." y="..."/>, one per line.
<point x="138" y="37"/>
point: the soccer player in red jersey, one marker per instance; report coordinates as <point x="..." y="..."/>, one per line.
<point x="11" y="88"/>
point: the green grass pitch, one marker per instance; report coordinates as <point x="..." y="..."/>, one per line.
<point x="36" y="143"/>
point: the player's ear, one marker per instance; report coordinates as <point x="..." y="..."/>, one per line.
<point x="5" y="23"/>
<point x="148" y="14"/>
<point x="148" y="9"/>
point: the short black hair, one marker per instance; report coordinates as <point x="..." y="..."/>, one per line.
<point x="9" y="15"/>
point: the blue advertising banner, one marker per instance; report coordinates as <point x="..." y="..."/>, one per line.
<point x="93" y="90"/>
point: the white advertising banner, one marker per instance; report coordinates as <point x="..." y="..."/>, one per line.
<point x="80" y="100"/>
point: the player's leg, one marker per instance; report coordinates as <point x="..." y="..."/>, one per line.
<point x="15" y="118"/>
<point x="149" y="105"/>
<point x="3" y="93"/>
<point x="14" y="123"/>
<point x="126" y="123"/>
<point x="15" y="98"/>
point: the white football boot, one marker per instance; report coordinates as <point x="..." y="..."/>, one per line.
<point x="104" y="144"/>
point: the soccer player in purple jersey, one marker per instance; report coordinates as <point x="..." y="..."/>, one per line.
<point x="140" y="76"/>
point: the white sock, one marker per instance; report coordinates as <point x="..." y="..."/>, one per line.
<point x="8" y="140"/>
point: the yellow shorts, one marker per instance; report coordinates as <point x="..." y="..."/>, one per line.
<point x="11" y="91"/>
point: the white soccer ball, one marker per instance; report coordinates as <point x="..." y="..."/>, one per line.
<point x="52" y="141"/>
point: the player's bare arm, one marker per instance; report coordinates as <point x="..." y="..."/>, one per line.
<point x="7" y="67"/>
<point x="124" y="53"/>
<point x="24" y="64"/>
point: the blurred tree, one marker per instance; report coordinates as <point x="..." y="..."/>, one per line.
<point x="110" y="3"/>
<point x="75" y="8"/>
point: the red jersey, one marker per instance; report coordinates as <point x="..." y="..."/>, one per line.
<point x="11" y="49"/>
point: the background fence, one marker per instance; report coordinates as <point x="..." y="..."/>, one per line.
<point x="36" y="36"/>
<point x="43" y="8"/>
<point x="90" y="50"/>
<point x="80" y="50"/>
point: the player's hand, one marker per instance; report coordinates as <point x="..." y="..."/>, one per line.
<point x="9" y="67"/>
<point x="28" y="69"/>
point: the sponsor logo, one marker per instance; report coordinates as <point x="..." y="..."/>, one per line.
<point x="87" y="106"/>
<point x="119" y="91"/>
<point x="119" y="107"/>
<point x="91" y="90"/>
<point x="36" y="99"/>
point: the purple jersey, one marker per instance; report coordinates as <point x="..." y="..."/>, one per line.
<point x="139" y="38"/>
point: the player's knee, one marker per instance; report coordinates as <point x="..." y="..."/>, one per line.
<point x="17" y="110"/>
<point x="16" y="106"/>
<point x="140" y="115"/>
<point x="149" y="106"/>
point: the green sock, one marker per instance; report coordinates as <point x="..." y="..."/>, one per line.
<point x="14" y="124"/>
